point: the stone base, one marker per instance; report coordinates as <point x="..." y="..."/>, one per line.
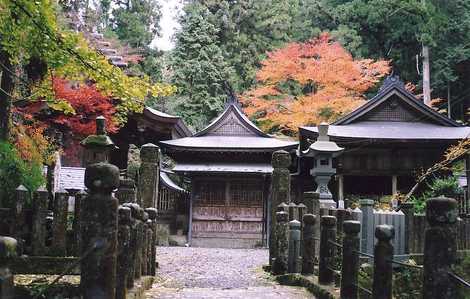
<point x="309" y="282"/>
<point x="6" y="284"/>
<point x="177" y="240"/>
<point x="140" y="286"/>
<point x="225" y="242"/>
<point x="163" y="232"/>
<point x="327" y="203"/>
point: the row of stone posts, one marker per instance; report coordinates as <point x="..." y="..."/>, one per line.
<point x="118" y="235"/>
<point x="439" y="254"/>
<point x="37" y="233"/>
<point x="118" y="241"/>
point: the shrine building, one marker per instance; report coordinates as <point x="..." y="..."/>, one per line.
<point x="387" y="141"/>
<point x="229" y="166"/>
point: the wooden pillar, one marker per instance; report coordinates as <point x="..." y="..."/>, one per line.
<point x="467" y="168"/>
<point x="190" y="220"/>
<point x="340" y="187"/>
<point x="394" y="184"/>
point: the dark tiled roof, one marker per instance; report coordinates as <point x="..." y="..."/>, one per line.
<point x="394" y="87"/>
<point x="260" y="168"/>
<point x="395" y="130"/>
<point x="229" y="143"/>
<point x="178" y="123"/>
<point x="231" y="131"/>
<point x="168" y="182"/>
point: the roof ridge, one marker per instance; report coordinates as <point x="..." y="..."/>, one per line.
<point x="232" y="107"/>
<point x="393" y="83"/>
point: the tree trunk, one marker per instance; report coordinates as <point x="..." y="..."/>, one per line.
<point x="6" y="85"/>
<point x="426" y="76"/>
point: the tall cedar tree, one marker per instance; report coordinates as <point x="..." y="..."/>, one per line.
<point x="135" y="22"/>
<point x="308" y="83"/>
<point x="396" y="29"/>
<point x="198" y="68"/>
<point x="247" y="29"/>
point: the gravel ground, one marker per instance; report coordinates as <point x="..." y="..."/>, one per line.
<point x="186" y="272"/>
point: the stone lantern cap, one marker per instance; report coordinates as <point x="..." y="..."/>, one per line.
<point x="323" y="145"/>
<point x="100" y="139"/>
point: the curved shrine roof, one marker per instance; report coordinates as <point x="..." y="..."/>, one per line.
<point x="230" y="131"/>
<point x="395" y="114"/>
<point x="395" y="130"/>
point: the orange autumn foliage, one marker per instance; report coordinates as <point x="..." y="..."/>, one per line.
<point x="331" y="81"/>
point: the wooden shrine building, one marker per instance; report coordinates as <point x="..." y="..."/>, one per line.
<point x="150" y="126"/>
<point x="387" y="141"/>
<point x="229" y="165"/>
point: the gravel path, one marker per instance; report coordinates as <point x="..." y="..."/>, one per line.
<point x="198" y="273"/>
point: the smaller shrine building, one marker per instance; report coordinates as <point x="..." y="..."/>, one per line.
<point x="229" y="166"/>
<point x="388" y="141"/>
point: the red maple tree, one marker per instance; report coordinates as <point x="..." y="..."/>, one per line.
<point x="88" y="103"/>
<point x="308" y="83"/>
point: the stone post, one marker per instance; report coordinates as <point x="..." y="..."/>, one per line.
<point x="350" y="259"/>
<point x="145" y="242"/>
<point x="8" y="249"/>
<point x="279" y="264"/>
<point x="293" y="215"/>
<point x="152" y="212"/>
<point x="294" y="264"/>
<point x="99" y="229"/>
<point x="408" y="209"/>
<point x="38" y="235"/>
<point x="149" y="175"/>
<point x="327" y="250"/>
<point x="342" y="215"/>
<point x="139" y="216"/>
<point x="59" y="231"/>
<point x="133" y="244"/>
<point x="308" y="239"/>
<point x="280" y="192"/>
<point x="367" y="208"/>
<point x="440" y="248"/>
<point x="18" y="226"/>
<point x="123" y="260"/>
<point x="79" y="198"/>
<point x="283" y="207"/>
<point x="301" y="208"/>
<point x="311" y="201"/>
<point x="383" y="255"/>
<point x="126" y="191"/>
<point x="149" y="248"/>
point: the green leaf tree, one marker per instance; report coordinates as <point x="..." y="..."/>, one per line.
<point x="198" y="68"/>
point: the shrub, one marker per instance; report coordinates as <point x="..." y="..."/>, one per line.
<point x="14" y="172"/>
<point x="447" y="186"/>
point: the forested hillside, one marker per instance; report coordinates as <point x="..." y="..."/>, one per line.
<point x="291" y="62"/>
<point x="243" y="32"/>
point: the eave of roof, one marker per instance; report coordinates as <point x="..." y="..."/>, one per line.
<point x="254" y="168"/>
<point x="228" y="143"/>
<point x="168" y="182"/>
<point x="418" y="131"/>
<point x="178" y="123"/>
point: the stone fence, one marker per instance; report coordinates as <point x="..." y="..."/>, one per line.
<point x="111" y="234"/>
<point x="116" y="237"/>
<point x="340" y="252"/>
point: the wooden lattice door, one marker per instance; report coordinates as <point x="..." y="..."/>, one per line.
<point x="228" y="212"/>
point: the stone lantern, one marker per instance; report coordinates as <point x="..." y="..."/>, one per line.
<point x="98" y="147"/>
<point x="323" y="151"/>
